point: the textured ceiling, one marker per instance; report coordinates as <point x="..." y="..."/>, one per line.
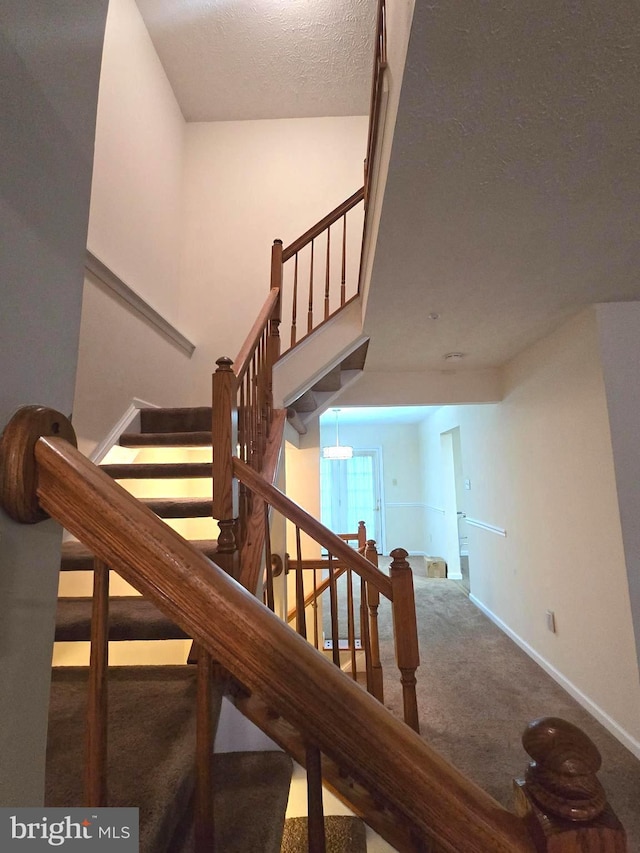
<point x="257" y="59"/>
<point x="513" y="196"/>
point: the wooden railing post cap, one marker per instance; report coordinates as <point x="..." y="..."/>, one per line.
<point x="18" y="472"/>
<point x="561" y="778"/>
<point x="399" y="558"/>
<point x="224" y="364"/>
<point x="277" y="241"/>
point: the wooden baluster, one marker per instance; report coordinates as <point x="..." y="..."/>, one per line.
<point x="269" y="567"/>
<point x="327" y="275"/>
<point x="351" y="627"/>
<point x="365" y="635"/>
<point x="294" y="307"/>
<point x="316" y="627"/>
<point x="315" y="811"/>
<point x="301" y="616"/>
<point x="333" y="598"/>
<point x="405" y="633"/>
<point x="560" y="799"/>
<point x="95" y="765"/>
<point x="203" y="812"/>
<point x="343" y="275"/>
<point x="310" y="310"/>
<point x="273" y="348"/>
<point x="225" y="486"/>
<point x="373" y="601"/>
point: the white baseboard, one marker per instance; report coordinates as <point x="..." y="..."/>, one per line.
<point x="608" y="722"/>
<point x="120" y="426"/>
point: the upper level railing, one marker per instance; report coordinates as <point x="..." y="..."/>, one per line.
<point x="560" y="805"/>
<point x="319" y="272"/>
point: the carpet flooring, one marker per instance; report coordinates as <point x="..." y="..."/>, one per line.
<point x="477" y="690"/>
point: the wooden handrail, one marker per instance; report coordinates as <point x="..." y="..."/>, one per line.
<point x="243" y="359"/>
<point x="267" y="657"/>
<point x="322" y="225"/>
<point x="312" y="527"/>
<point x="379" y="65"/>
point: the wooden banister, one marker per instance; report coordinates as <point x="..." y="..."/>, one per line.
<point x="270" y="659"/>
<point x="441" y="808"/>
<point x="243" y="359"/>
<point x="322" y="225"/>
<point x="311" y="526"/>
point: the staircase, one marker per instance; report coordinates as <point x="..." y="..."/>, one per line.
<point x="152" y="708"/>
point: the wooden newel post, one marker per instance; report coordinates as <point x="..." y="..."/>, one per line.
<point x="224" y="432"/>
<point x="405" y="632"/>
<point x="560" y="799"/>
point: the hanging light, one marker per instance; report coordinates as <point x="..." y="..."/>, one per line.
<point x="337" y="450"/>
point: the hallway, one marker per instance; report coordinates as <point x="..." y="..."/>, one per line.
<point x="476" y="692"/>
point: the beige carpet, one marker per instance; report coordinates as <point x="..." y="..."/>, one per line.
<point x="477" y="690"/>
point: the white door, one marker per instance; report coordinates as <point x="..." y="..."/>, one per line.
<point x="350" y="492"/>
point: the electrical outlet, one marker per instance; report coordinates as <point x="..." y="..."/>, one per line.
<point x="551" y="621"/>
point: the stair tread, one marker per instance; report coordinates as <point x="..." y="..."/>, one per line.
<point x="77" y="557"/>
<point x="157" y="470"/>
<point x="166" y="439"/>
<point x="150" y="762"/>
<point x="179" y="507"/>
<point x="131" y="617"/>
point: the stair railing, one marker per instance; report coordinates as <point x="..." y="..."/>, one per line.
<point x="319" y="272"/>
<point x="397" y="587"/>
<point x="561" y="805"/>
<point x="242" y="425"/>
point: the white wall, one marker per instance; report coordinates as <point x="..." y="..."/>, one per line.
<point x="246" y="184"/>
<point x="401" y="486"/>
<point x="136" y="195"/>
<point x="49" y="65"/>
<point x="619" y="337"/>
<point x="135" y="228"/>
<point x="541" y="468"/>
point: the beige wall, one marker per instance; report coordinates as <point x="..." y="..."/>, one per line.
<point x="185" y="215"/>
<point x="541" y="468"/>
<point x="247" y="183"/>
<point x="135" y="228"/>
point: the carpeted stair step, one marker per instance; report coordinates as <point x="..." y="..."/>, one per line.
<point x="250" y="802"/>
<point x="152" y="714"/>
<point x="131" y="617"/>
<point x="343" y="834"/>
<point x="179" y="507"/>
<point x="160" y="470"/>
<point x="197" y="419"/>
<point x="76" y="557"/>
<point x="196" y="438"/>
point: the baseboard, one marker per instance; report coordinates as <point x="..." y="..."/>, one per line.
<point x="120" y="426"/>
<point x="608" y="722"/>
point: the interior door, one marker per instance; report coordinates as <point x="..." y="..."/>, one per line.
<point x="350" y="492"/>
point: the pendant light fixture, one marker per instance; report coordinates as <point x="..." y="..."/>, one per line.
<point x="337" y="450"/>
